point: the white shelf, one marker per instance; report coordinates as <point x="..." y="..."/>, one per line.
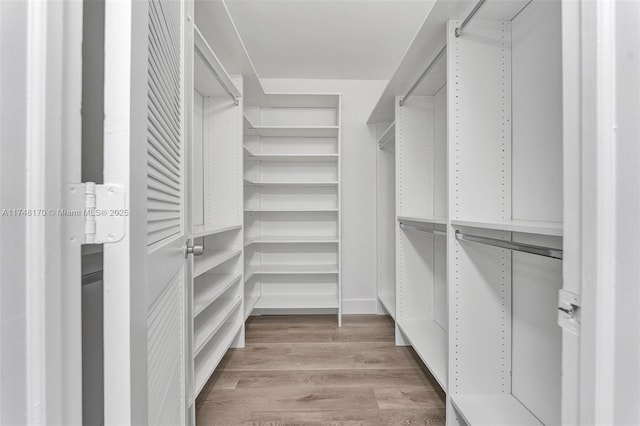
<point x="293" y="183"/>
<point x="290" y="210"/>
<point x="389" y="303"/>
<point x="297" y="301"/>
<point x="208" y="330"/>
<point x="212" y="258"/>
<point x="209" y="73"/>
<point x="431" y="220"/>
<point x="293" y="131"/>
<point x="291" y="240"/>
<point x="388" y="136"/>
<point x="291" y="270"/>
<point x="206" y="230"/>
<point x="529" y="227"/>
<point x="218" y="285"/>
<point x="224" y="339"/>
<point x="249" y="305"/>
<point x="495" y="410"/>
<point x="430" y="343"/>
<point x="290" y="157"/>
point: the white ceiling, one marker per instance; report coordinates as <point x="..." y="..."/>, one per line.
<point x="333" y="39"/>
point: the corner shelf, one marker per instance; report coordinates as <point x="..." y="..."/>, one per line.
<point x="529" y="227"/>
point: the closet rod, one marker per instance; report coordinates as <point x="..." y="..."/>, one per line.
<point x="526" y="248"/>
<point x="469" y="17"/>
<point x="91" y="277"/>
<point x="417" y="228"/>
<point x="424" y="74"/>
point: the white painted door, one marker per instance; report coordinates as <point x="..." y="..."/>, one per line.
<point x="145" y="274"/>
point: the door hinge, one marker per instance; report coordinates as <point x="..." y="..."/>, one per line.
<point x="99" y="211"/>
<point x="568" y="311"/>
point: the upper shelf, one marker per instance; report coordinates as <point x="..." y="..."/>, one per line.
<point x="430" y="220"/>
<point x="210" y="76"/>
<point x="289" y="157"/>
<point x="216" y="25"/>
<point x="289" y="131"/>
<point x="427" y="43"/>
<point x="524" y="226"/>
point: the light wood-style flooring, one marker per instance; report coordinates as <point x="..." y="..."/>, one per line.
<point x="305" y="370"/>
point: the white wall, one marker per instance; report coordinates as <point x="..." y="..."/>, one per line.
<point x="358" y="184"/>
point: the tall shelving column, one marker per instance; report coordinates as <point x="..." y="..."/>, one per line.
<point x="216" y="193"/>
<point x="421" y="283"/>
<point x="505" y="184"/>
<point x="292" y="204"/>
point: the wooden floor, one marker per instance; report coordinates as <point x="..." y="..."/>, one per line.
<point x="304" y="370"/>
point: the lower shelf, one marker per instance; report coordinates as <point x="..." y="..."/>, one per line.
<point x="498" y="410"/>
<point x="297" y="301"/>
<point x="203" y="334"/>
<point x="430" y="343"/>
<point x="388" y="301"/>
<point x="207" y="361"/>
<point x="290" y="270"/>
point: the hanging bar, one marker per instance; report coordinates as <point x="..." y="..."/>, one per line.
<point x="216" y="67"/>
<point x="509" y="245"/>
<point x="424" y="74"/>
<point x="418" y="228"/>
<point x="469" y="17"/>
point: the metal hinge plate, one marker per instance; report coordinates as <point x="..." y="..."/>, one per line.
<point x="568" y="311"/>
<point x="99" y="213"/>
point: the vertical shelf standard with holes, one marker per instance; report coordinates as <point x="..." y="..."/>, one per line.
<point x="292" y="204"/>
<point x="217" y="297"/>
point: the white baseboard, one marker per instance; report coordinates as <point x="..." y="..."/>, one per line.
<point x="359" y="306"/>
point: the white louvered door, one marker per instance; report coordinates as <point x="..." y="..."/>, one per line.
<point x="146" y="274"/>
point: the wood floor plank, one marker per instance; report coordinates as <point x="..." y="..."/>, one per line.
<point x="305" y="370"/>
<point x="406" y="397"/>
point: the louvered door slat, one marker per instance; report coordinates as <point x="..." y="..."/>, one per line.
<point x="165" y="129"/>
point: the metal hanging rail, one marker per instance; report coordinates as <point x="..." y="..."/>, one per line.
<point x="418" y="228"/>
<point x="215" y="66"/>
<point x="509" y="245"/>
<point x="424" y="74"/>
<point x="469" y="17"/>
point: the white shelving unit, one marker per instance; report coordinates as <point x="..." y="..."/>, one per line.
<point x="292" y="204"/>
<point x="505" y="183"/>
<point x="478" y="149"/>
<point x="217" y="218"/>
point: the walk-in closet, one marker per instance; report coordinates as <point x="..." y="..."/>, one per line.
<point x="349" y="212"/>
